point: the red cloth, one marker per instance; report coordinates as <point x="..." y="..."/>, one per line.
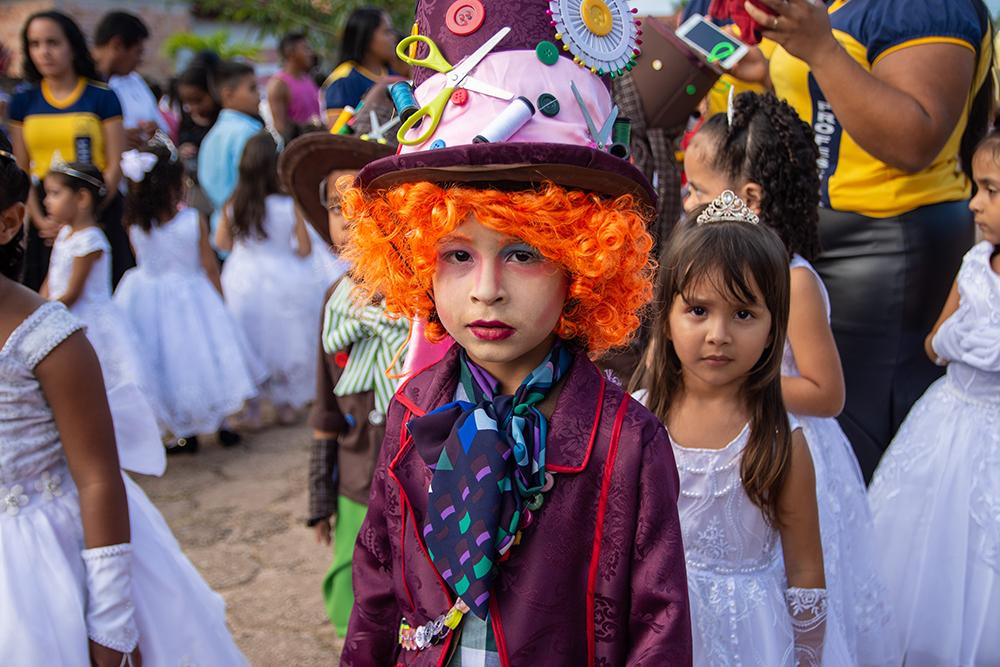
<point x="734" y="10"/>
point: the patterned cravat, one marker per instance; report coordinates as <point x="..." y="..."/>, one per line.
<point x="488" y="457"/>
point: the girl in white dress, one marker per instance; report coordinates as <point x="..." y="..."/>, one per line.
<point x="89" y="572"/>
<point x="748" y="495"/>
<point x="80" y="277"/>
<point x="936" y="493"/>
<point x="274" y="280"/>
<point x="200" y="364"/>
<point x="762" y="151"/>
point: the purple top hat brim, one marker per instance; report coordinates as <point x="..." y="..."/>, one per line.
<point x="575" y="167"/>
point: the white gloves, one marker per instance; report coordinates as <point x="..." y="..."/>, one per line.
<point x="110" y="615"/>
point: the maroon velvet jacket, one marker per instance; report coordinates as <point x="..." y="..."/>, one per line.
<point x="599" y="577"/>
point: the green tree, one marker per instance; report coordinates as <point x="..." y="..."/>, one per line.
<point x="217" y="42"/>
<point x="323" y="20"/>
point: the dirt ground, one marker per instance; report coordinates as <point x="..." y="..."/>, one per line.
<point x="239" y="516"/>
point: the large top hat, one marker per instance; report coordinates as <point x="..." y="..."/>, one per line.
<point x="305" y="163"/>
<point x="535" y="105"/>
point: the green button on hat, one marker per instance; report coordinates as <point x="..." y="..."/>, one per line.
<point x="547" y="52"/>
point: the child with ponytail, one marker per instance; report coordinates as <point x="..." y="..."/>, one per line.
<point x="761" y="150"/>
<point x="199" y="363"/>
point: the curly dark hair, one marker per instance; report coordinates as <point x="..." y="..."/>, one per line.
<point x="770" y="145"/>
<point x="14" y="186"/>
<point x="83" y="62"/>
<point x="153" y="201"/>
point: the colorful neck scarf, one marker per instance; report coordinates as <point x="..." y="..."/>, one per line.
<point x="488" y="457"/>
<point x="376" y="338"/>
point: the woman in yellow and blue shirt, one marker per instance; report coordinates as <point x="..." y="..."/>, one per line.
<point x="66" y="115"/>
<point x="898" y="93"/>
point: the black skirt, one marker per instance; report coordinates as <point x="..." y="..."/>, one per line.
<point x="888" y="280"/>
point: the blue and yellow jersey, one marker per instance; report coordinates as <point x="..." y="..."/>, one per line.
<point x="718" y="97"/>
<point x="73" y="127"/>
<point x="346" y="86"/>
<point x="869" y="30"/>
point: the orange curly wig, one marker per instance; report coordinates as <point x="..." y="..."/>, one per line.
<point x="602" y="244"/>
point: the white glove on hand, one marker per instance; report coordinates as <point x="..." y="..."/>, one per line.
<point x="110" y="615"/>
<point x="807" y="610"/>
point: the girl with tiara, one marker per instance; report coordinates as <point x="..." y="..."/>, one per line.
<point x="274" y="279"/>
<point x="89" y="572"/>
<point x="748" y="491"/>
<point x="198" y="362"/>
<point x="762" y="151"/>
<point x="936" y="493"/>
<point x="80" y="277"/>
<point x="524" y="508"/>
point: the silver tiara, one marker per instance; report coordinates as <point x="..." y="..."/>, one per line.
<point x="60" y="166"/>
<point x="728" y="207"/>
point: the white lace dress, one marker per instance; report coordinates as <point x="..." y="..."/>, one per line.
<point x="139" y="446"/>
<point x="200" y="364"/>
<point x="735" y="570"/>
<point x="43" y="593"/>
<point x="277" y="298"/>
<point x="936" y="494"/>
<point x="857" y="593"/>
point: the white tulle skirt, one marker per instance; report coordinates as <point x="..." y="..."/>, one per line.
<point x="199" y="364"/>
<point x="278" y="301"/>
<point x="127" y="383"/>
<point x="936" y="502"/>
<point x="181" y="620"/>
<point x="857" y="593"/>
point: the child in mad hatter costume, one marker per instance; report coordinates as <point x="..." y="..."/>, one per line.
<point x="524" y="509"/>
<point x="358" y="343"/>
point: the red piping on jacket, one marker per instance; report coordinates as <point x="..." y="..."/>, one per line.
<point x="593" y="437"/>
<point x="498" y="634"/>
<point x="406" y="508"/>
<point x="602" y="506"/>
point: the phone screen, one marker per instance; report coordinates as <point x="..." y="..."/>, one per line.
<point x="717" y="44"/>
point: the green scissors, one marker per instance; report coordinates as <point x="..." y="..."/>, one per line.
<point x="456" y="76"/>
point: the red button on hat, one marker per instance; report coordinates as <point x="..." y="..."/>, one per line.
<point x="464" y="17"/>
<point x="460" y="97"/>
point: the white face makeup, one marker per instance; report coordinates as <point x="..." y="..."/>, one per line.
<point x="499" y="298"/>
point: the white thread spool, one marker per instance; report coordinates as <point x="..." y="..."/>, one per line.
<point x="503" y="127"/>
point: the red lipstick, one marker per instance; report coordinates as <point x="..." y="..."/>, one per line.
<point x="491" y="330"/>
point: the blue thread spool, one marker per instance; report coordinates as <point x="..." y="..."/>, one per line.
<point x="401" y="94"/>
<point x="503" y="127"/>
<point x="621" y="138"/>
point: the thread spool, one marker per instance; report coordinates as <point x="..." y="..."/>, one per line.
<point x="345" y="115"/>
<point x="503" y="127"/>
<point x="621" y="138"/>
<point x="401" y="94"/>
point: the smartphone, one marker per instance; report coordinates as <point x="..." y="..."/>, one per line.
<point x="708" y="39"/>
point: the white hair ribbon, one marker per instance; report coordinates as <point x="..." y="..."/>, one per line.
<point x="136" y="164"/>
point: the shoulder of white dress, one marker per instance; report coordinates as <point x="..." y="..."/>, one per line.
<point x="42" y="331"/>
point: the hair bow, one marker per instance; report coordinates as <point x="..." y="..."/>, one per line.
<point x="136" y="164"/>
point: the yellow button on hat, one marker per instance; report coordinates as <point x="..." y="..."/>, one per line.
<point x="597" y="17"/>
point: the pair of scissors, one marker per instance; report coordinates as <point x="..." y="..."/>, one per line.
<point x="602" y="137"/>
<point x="456" y="76"/>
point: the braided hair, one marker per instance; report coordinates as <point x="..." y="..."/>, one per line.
<point x="14" y="186"/>
<point x="768" y="144"/>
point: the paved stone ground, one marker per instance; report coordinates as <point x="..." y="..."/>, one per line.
<point x="239" y="516"/>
